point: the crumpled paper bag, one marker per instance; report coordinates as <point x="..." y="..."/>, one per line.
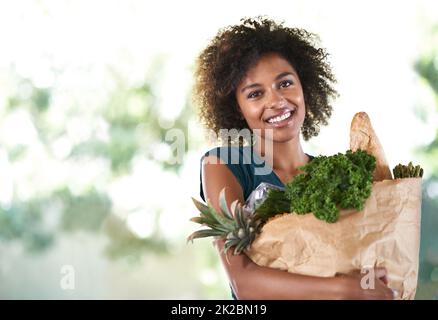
<point x="385" y="234"/>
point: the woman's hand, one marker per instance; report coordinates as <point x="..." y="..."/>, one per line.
<point x="355" y="286"/>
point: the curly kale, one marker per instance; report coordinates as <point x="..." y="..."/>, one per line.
<point x="331" y="183"/>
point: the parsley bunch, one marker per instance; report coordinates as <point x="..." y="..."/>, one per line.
<point x="331" y="183"/>
<point x="327" y="184"/>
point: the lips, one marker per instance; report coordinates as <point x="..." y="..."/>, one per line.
<point x="280" y="117"/>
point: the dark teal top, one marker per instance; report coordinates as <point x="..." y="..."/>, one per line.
<point x="248" y="167"/>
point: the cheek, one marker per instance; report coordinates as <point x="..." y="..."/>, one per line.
<point x="300" y="102"/>
<point x="302" y="110"/>
<point x="297" y="95"/>
<point x="255" y="114"/>
<point x="297" y="98"/>
<point x="301" y="115"/>
<point x="252" y="112"/>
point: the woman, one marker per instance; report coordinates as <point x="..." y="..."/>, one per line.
<point x="272" y="80"/>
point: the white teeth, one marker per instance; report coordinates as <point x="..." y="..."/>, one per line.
<point x="280" y="118"/>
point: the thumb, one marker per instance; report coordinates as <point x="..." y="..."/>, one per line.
<point x="382" y="274"/>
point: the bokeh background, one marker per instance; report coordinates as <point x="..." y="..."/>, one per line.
<point x="94" y="96"/>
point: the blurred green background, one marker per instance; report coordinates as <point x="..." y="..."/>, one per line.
<point x="94" y="98"/>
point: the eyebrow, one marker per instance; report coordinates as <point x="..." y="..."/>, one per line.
<point x="281" y="75"/>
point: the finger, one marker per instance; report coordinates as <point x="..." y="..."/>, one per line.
<point x="380" y="272"/>
<point x="384" y="279"/>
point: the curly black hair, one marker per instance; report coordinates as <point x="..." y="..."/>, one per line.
<point x="224" y="62"/>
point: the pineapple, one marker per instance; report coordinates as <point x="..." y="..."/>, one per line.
<point x="237" y="226"/>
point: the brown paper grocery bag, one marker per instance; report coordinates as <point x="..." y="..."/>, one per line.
<point x="385" y="234"/>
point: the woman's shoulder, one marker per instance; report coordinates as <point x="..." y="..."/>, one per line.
<point x="233" y="157"/>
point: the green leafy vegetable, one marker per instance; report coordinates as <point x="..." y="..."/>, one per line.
<point x="327" y="184"/>
<point x="330" y="183"/>
<point x="276" y="202"/>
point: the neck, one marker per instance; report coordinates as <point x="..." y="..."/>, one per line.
<point x="282" y="156"/>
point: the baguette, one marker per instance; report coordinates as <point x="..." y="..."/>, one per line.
<point x="362" y="136"/>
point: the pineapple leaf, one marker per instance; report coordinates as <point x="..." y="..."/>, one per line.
<point x="214" y="226"/>
<point x="204" y="220"/>
<point x="223" y="204"/>
<point x="204" y="233"/>
<point x="199" y="220"/>
<point x="206" y="213"/>
<point x="240" y="247"/>
<point x="230" y="243"/>
<point x="211" y="218"/>
<point x="233" y="207"/>
<point x="208" y="219"/>
<point x="201" y="207"/>
<point x="239" y="216"/>
<point x="221" y="219"/>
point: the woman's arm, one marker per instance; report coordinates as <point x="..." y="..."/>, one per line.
<point x="251" y="281"/>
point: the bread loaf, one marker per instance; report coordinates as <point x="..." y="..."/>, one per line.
<point x="362" y="136"/>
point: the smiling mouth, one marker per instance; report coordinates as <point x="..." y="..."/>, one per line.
<point x="280" y="118"/>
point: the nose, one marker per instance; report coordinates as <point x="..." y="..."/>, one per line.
<point x="274" y="99"/>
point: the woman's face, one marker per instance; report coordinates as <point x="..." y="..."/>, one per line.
<point x="270" y="96"/>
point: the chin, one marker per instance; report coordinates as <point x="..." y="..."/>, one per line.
<point x="283" y="137"/>
<point x="279" y="135"/>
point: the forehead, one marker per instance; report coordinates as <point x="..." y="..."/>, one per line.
<point x="268" y="66"/>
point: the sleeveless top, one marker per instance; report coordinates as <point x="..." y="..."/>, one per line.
<point x="248" y="168"/>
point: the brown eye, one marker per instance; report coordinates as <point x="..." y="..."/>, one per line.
<point x="285" y="83"/>
<point x="254" y="94"/>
